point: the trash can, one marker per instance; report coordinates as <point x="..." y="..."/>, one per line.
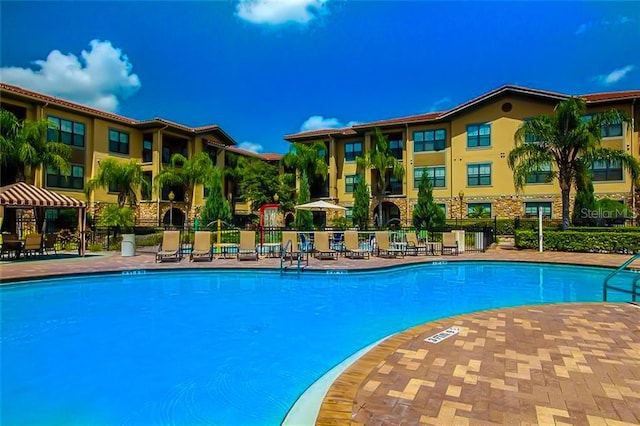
<point x="128" y="245"/>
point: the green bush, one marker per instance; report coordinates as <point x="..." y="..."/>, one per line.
<point x="587" y="242"/>
<point x="149" y="240"/>
<point x="94" y="247"/>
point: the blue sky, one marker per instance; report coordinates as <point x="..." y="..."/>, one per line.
<point x="264" y="68"/>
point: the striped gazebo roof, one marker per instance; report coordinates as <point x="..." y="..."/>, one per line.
<point x="22" y="194"/>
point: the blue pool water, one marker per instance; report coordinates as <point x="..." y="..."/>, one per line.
<point x="228" y="348"/>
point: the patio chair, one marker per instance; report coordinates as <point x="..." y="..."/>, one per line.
<point x="415" y="247"/>
<point x="50" y="243"/>
<point x="449" y="243"/>
<point x="202" y="246"/>
<point x="247" y="248"/>
<point x="322" y="249"/>
<point x="170" y="249"/>
<point x="32" y="244"/>
<point x="384" y="246"/>
<point x="352" y="248"/>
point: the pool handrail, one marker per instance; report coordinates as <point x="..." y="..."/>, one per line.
<point x="634" y="287"/>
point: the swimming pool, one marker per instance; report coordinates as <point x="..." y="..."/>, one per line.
<point x="220" y="347"/>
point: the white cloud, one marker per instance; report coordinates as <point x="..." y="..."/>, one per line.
<point x="584" y="27"/>
<point x="440" y="104"/>
<point x="615" y="75"/>
<point x="250" y="146"/>
<point x="101" y="78"/>
<point x="276" y="12"/>
<point x="316" y="122"/>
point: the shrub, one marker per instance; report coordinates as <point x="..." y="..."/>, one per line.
<point x="587" y="242"/>
<point x="94" y="247"/>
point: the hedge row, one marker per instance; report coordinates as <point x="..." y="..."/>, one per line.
<point x="579" y="241"/>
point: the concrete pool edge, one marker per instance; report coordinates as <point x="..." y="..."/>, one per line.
<point x="306" y="408"/>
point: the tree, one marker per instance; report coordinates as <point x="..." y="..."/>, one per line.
<point x="260" y="183"/>
<point x="24" y="147"/>
<point x="234" y="170"/>
<point x="383" y="165"/>
<point x="426" y="213"/>
<point x="187" y="172"/>
<point x="584" y="204"/>
<point x="216" y="206"/>
<point x="287" y="192"/>
<point x="308" y="159"/>
<point x="361" y="201"/>
<point x="564" y="140"/>
<point x="304" y="218"/>
<point x="124" y="177"/>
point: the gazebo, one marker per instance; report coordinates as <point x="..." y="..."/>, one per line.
<point x="21" y="195"/>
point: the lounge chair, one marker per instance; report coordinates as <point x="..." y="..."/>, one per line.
<point x="322" y="249"/>
<point x="416" y="247"/>
<point x="449" y="243"/>
<point x="202" y="246"/>
<point x="384" y="246"/>
<point x="247" y="249"/>
<point x="170" y="249"/>
<point x="352" y="248"/>
<point x="32" y="244"/>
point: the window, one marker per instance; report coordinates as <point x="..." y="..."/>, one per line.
<point x="118" y="142"/>
<point x="396" y="145"/>
<point x="73" y="181"/>
<point x="436" y="176"/>
<point x="147" y="151"/>
<point x="65" y="131"/>
<point x="348" y="214"/>
<point x="350" y="183"/>
<point x="478" y="135"/>
<point x="541" y="175"/>
<point x="530" y="138"/>
<point x="608" y="130"/>
<point x="429" y="140"/>
<point x="394" y="186"/>
<point x="113" y="188"/>
<point x="606" y="170"/>
<point x="531" y="208"/>
<point x="479" y="210"/>
<point x="166" y="155"/>
<point x="479" y="174"/>
<point x="352" y="150"/>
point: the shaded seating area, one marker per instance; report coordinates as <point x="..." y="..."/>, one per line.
<point x="170" y="248"/>
<point x="322" y="249"/>
<point x="202" y="247"/>
<point x="21" y="195"/>
<point x="247" y="249"/>
<point x="352" y="248"/>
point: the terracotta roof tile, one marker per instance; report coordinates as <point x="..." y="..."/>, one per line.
<point x="611" y="96"/>
<point x="111" y="116"/>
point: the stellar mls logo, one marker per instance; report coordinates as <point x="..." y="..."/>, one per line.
<point x="586" y="213"/>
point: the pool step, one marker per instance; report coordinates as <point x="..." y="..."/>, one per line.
<point x="294" y="268"/>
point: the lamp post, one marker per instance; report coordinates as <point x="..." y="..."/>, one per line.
<point x="172" y="196"/>
<point x="461" y="196"/>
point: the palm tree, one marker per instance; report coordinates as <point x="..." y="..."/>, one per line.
<point x="24" y="147"/>
<point x="308" y="159"/>
<point x="383" y="164"/>
<point x="188" y="172"/>
<point x="233" y="173"/>
<point x="567" y="140"/>
<point x="125" y="178"/>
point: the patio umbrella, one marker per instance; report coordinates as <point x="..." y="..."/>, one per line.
<point x="319" y="206"/>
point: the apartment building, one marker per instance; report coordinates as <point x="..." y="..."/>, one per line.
<point x="464" y="151"/>
<point x="94" y="135"/>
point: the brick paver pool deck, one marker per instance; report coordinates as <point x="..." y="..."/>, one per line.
<point x="574" y="363"/>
